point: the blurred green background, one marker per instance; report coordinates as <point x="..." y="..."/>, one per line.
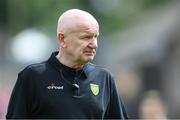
<point x="138" y="42"/>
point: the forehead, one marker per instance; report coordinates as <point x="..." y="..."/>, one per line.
<point x="86" y="27"/>
<point x="79" y="21"/>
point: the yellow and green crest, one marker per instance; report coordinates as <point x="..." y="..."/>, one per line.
<point x="94" y="89"/>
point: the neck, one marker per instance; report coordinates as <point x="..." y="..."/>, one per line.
<point x="64" y="60"/>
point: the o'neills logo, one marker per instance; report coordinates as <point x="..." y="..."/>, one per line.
<point x="52" y="86"/>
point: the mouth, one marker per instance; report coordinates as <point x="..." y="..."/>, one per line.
<point x="89" y="53"/>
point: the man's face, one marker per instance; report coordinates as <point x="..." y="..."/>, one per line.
<point x="81" y="43"/>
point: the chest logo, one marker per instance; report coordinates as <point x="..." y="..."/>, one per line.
<point x="94" y="89"/>
<point x="52" y="86"/>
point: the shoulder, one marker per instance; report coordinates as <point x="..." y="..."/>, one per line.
<point x="92" y="68"/>
<point x="33" y="69"/>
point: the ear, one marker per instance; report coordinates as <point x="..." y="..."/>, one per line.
<point x="61" y="40"/>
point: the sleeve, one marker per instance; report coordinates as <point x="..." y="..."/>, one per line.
<point x="116" y="108"/>
<point x="18" y="104"/>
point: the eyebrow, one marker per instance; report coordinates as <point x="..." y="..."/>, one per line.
<point x="88" y="33"/>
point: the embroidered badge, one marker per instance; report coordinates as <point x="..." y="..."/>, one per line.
<point x="94" y="89"/>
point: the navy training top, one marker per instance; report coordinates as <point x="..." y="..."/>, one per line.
<point x="53" y="90"/>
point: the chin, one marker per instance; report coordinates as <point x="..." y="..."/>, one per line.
<point x="88" y="59"/>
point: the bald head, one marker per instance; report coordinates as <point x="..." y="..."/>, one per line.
<point x="77" y="33"/>
<point x="73" y="19"/>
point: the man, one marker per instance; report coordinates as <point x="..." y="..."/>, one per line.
<point x="67" y="85"/>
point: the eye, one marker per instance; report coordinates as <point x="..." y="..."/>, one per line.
<point x="96" y="36"/>
<point x="87" y="37"/>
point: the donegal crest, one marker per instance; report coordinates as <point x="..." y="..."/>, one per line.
<point x="94" y="89"/>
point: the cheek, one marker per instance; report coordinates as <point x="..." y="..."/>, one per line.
<point x="81" y="46"/>
<point x="78" y="47"/>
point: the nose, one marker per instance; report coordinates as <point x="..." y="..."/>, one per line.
<point x="93" y="43"/>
